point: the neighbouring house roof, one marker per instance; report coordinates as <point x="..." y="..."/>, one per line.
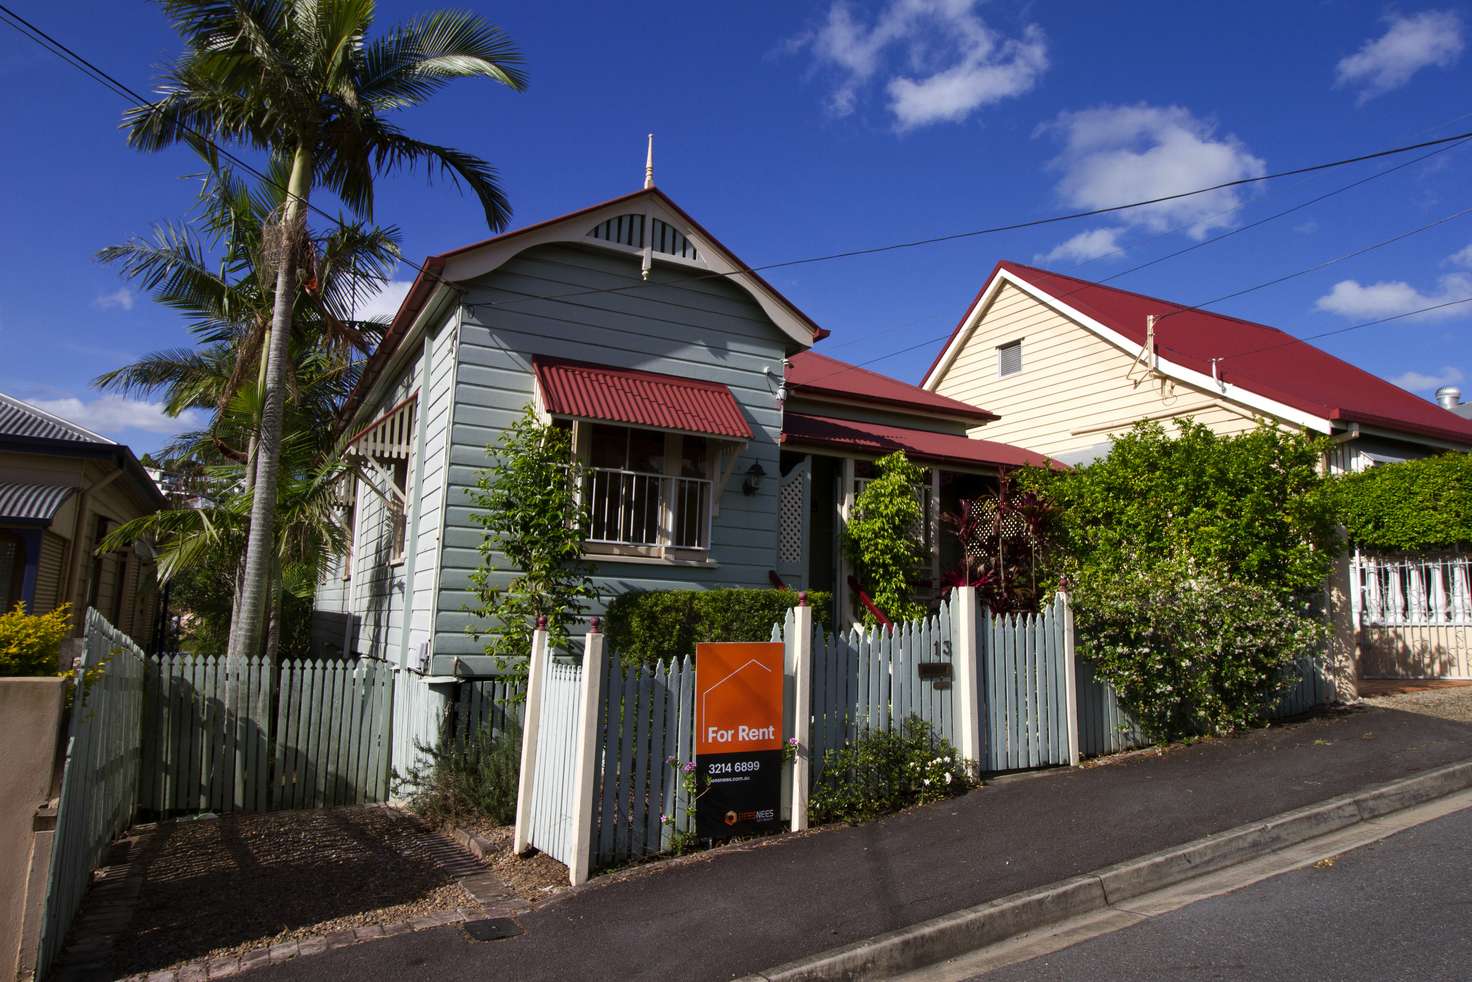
<point x="638" y="398"/>
<point x="28" y="503"/>
<point x="443" y="268"/>
<point x="803" y="429"/>
<point x="815" y="375"/>
<point x="1252" y="357"/>
<point x="29" y="429"/>
<point x="21" y="419"/>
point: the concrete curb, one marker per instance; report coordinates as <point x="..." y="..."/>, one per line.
<point x="986" y="924"/>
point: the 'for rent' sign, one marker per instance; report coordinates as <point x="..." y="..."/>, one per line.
<point x="738" y="737"/>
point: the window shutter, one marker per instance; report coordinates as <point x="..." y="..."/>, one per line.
<point x="1009" y="358"/>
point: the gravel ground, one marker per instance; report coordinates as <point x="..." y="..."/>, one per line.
<point x="220" y="887"/>
<point x="534" y="877"/>
<point x="1453" y="702"/>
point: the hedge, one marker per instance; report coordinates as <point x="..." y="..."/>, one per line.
<point x="1410" y="506"/>
<point x="642" y="627"/>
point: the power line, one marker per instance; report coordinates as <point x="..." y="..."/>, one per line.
<point x="37" y="35"/>
<point x="1345" y="330"/>
<point x="1200" y="306"/>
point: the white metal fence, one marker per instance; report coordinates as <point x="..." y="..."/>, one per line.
<point x="1388" y="591"/>
<point x="99" y="784"/>
<point x="1412" y="615"/>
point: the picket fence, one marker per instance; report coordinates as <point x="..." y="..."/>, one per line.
<point x="874" y="679"/>
<point x="1024" y="675"/>
<point x="646" y="737"/>
<point x="492" y="705"/>
<point x="328" y="745"/>
<point x="553" y="799"/>
<point x="100" y="776"/>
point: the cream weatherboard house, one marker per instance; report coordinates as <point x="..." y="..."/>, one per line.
<point x="718" y="450"/>
<point x="1067" y="364"/>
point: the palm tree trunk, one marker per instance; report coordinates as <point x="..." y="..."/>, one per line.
<point x="245" y="627"/>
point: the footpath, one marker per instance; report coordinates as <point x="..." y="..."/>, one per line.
<point x="739" y="910"/>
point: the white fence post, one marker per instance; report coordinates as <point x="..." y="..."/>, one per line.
<point x="1070" y="677"/>
<point x="531" y="721"/>
<point x="800" y="649"/>
<point x="965" y="669"/>
<point x="585" y="759"/>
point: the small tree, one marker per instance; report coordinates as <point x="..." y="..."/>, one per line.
<point x="527" y="502"/>
<point x="882" y="540"/>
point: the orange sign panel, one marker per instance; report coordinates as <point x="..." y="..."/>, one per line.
<point x="738" y="697"/>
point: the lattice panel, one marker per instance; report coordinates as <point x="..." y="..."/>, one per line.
<point x="790" y="522"/>
<point x="984" y="512"/>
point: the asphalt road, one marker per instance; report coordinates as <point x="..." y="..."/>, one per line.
<point x="1396" y="909"/>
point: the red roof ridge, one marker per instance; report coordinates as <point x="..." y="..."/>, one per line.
<point x="1257" y="358"/>
<point x="921" y="400"/>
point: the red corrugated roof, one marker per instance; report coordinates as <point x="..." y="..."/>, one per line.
<point x="1286" y="370"/>
<point x="637" y="398"/>
<point x="813" y="374"/>
<point x="826" y="431"/>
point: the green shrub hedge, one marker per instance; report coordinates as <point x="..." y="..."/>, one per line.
<point x="1415" y="505"/>
<point x="643" y="627"/>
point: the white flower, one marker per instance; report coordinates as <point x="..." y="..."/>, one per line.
<point x="948" y="777"/>
<point x="927" y="782"/>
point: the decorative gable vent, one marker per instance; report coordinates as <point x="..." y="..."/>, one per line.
<point x="663" y="237"/>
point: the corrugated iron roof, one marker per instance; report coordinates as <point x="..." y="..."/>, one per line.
<point x="22" y="419"/>
<point x="826" y="431"/>
<point x="638" y="398"/>
<point x="815" y="375"/>
<point x="31" y="503"/>
<point x="1257" y="357"/>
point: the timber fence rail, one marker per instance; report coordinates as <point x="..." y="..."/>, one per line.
<point x="99" y="784"/>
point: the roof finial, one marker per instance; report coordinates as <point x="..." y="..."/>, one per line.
<point x="649" y="164"/>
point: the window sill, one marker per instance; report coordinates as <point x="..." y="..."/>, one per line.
<point x="609" y="557"/>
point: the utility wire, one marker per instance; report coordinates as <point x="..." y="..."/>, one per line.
<point x="50" y="43"/>
<point x="89" y="68"/>
<point x="1344" y="330"/>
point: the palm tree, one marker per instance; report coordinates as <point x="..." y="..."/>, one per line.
<point x="299" y="80"/>
<point x="228" y="304"/>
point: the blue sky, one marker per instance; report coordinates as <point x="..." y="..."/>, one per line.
<point x="795" y="130"/>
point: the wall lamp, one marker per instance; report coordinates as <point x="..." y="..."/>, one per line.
<point x="754" y="475"/>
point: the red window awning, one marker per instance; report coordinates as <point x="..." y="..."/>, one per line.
<point x="637" y="398"/>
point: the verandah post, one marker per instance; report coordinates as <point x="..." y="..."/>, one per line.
<point x="800" y="661"/>
<point x="531" y="720"/>
<point x="585" y="763"/>
<point x="965" y="669"/>
<point x="1070" y="676"/>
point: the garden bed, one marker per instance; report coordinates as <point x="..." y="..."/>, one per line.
<point x="220" y="887"/>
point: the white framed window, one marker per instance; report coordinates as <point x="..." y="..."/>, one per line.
<point x="1009" y="358"/>
<point x="647" y="492"/>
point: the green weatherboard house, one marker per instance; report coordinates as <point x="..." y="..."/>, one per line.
<point x="721" y="451"/>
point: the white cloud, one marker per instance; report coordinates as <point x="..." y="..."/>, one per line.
<point x="1097" y="243"/>
<point x="1462" y="257"/>
<point x="1389" y="298"/>
<point x="1306" y="228"/>
<point x="1409" y="44"/>
<point x="386" y="303"/>
<point x="940" y="60"/>
<point x="110" y="414"/>
<point x="1422" y="382"/>
<point x="1112" y="155"/>
<point x="120" y="299"/>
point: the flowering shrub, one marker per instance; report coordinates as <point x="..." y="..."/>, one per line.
<point x="682" y="839"/>
<point x="1192" y="651"/>
<point x="30" y="644"/>
<point x="885" y="771"/>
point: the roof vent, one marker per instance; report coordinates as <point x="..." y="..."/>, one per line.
<point x="1449" y="397"/>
